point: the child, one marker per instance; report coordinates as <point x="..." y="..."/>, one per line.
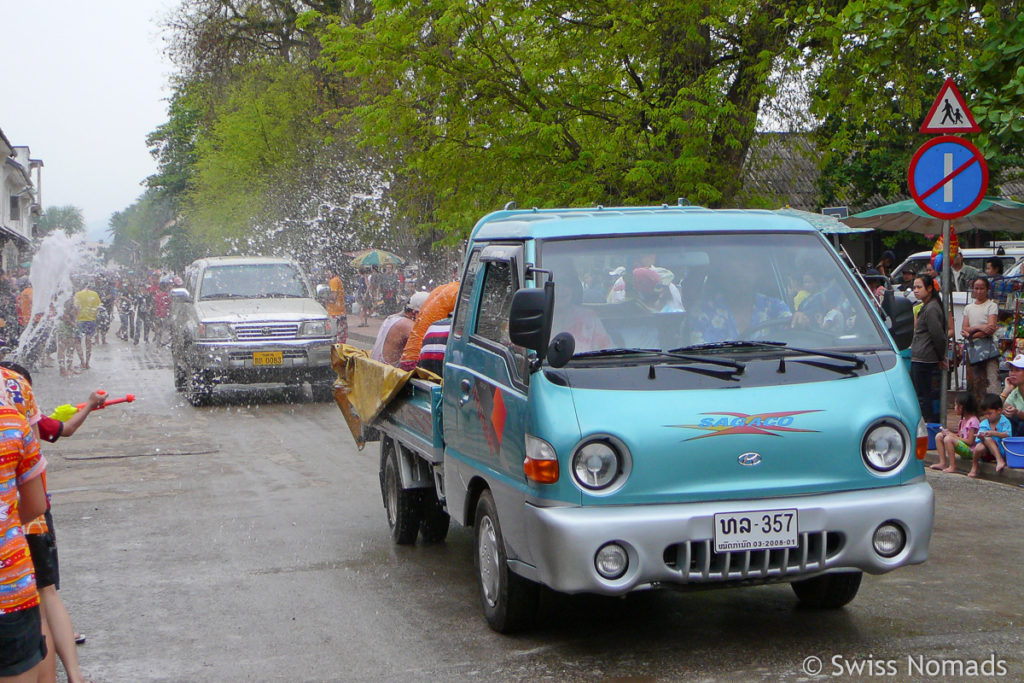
<point x="991" y="437"/>
<point x="949" y="445"/>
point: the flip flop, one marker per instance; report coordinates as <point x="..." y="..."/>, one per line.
<point x="79" y="638"/>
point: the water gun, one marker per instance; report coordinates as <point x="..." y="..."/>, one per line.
<point x="64" y="412"/>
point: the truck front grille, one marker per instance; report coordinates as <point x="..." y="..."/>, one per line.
<point x="697" y="561"/>
<point x="266" y="331"/>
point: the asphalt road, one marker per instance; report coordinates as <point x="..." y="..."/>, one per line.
<point x="246" y="541"/>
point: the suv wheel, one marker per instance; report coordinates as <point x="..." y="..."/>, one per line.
<point x="198" y="387"/>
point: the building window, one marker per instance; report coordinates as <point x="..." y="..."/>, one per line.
<point x="15" y="209"/>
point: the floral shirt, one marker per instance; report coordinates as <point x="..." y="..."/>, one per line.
<point x="20" y="462"/>
<point x="715" y="321"/>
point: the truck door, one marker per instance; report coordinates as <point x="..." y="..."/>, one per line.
<point x="486" y="379"/>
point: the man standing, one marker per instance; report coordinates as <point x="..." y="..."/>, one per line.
<point x="963" y="275"/>
<point x="336" y="306"/>
<point x="88" y="304"/>
<point x="394" y="331"/>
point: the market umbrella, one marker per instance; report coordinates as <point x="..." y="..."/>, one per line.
<point x="830" y="225"/>
<point x="993" y="214"/>
<point x="376" y="257"/>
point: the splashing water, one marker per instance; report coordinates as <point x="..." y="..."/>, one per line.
<point x="57" y="257"/>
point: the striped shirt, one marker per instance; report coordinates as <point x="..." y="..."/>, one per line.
<point x="435" y="339"/>
<point x="20" y="461"/>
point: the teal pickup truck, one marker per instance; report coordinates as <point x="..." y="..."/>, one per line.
<point x="648" y="397"/>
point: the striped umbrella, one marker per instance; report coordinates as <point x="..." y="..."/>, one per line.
<point x="376" y="257"/>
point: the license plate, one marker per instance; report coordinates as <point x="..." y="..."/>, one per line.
<point x="267" y="357"/>
<point x="756" y="530"/>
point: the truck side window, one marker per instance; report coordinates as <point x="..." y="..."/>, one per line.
<point x="465" y="295"/>
<point x="500" y="283"/>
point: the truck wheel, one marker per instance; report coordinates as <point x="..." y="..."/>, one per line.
<point x="403" y="506"/>
<point x="509" y="600"/>
<point x="828" y="591"/>
<point x="434" y="525"/>
<point x="198" y="388"/>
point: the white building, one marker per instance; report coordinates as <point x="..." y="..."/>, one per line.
<point x="19" y="201"/>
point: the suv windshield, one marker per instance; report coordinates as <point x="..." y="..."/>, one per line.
<point x="677" y="291"/>
<point x="252" y="281"/>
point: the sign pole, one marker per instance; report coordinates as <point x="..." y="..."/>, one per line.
<point x="947" y="291"/>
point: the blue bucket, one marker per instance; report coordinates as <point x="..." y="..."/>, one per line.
<point x="1014" y="447"/>
<point x="933" y="430"/>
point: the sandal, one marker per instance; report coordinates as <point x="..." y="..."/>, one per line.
<point x="79" y="638"/>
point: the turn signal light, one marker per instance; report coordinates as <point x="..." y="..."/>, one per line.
<point x="922" y="447"/>
<point x="541" y="471"/>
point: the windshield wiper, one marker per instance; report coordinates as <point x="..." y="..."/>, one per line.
<point x="735" y="365"/>
<point x="207" y="297"/>
<point x="858" y="361"/>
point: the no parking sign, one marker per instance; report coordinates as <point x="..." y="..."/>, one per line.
<point x="948" y="177"/>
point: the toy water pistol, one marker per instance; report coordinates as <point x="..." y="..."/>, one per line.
<point x="64" y="412"/>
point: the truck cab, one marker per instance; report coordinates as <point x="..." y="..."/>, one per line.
<point x="635" y="398"/>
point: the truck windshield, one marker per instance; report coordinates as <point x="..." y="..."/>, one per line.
<point x="252" y="281"/>
<point x="681" y="291"/>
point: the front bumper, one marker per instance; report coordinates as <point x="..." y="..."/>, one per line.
<point x="672" y="544"/>
<point x="232" y="362"/>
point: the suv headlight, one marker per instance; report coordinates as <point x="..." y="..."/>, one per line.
<point x="601" y="464"/>
<point x="315" y="328"/>
<point x="884" y="447"/>
<point x="214" y="331"/>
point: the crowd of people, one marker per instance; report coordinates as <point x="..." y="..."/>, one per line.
<point x="988" y="410"/>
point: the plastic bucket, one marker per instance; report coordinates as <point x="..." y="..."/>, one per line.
<point x="933" y="430"/>
<point x="1014" y="446"/>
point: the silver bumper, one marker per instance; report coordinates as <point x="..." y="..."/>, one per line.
<point x="672" y="544"/>
<point x="302" y="354"/>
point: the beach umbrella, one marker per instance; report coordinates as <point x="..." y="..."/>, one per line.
<point x="830" y="225"/>
<point x="993" y="214"/>
<point x="376" y="257"/>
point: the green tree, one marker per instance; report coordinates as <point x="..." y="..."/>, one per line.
<point x="67" y="218"/>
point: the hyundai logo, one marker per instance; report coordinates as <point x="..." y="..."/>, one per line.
<point x="750" y="459"/>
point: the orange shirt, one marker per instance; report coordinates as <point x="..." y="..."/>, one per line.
<point x="24" y="306"/>
<point x="336" y="307"/>
<point x="438" y="306"/>
<point x="20" y="462"/>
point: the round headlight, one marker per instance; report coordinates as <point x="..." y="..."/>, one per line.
<point x="884" y="447"/>
<point x="596" y="465"/>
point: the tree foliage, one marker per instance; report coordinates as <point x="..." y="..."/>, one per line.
<point x="68" y="218"/>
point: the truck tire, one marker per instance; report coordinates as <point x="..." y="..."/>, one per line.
<point x="403" y="507"/>
<point x="509" y="600"/>
<point x="434" y="525"/>
<point x="828" y="591"/>
<point x="198" y="388"/>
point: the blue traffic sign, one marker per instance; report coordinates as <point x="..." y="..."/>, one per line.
<point x="948" y="177"/>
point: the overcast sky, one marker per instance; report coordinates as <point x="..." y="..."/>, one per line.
<point x="84" y="83"/>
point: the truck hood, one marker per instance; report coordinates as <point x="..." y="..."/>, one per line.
<point x="687" y="444"/>
<point x="258" y="310"/>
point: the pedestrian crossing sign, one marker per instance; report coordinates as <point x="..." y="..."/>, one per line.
<point x="949" y="114"/>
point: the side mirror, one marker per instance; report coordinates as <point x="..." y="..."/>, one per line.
<point x="901" y="312"/>
<point x="529" y="319"/>
<point x="324" y="293"/>
<point x="180" y="294"/>
<point x="561" y="349"/>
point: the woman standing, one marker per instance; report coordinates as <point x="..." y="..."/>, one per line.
<point x="978" y="329"/>
<point x="928" y="349"/>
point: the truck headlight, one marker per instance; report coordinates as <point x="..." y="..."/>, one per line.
<point x="600" y="464"/>
<point x="214" y="331"/>
<point x="315" y="328"/>
<point x="884" y="447"/>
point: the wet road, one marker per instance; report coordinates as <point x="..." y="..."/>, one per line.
<point x="246" y="541"/>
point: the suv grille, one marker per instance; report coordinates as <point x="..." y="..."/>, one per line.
<point x="697" y="560"/>
<point x="266" y="331"/>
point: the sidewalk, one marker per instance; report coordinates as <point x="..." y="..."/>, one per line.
<point x="363" y="337"/>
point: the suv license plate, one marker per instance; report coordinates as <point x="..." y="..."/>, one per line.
<point x="757" y="530"/>
<point x="267" y="357"/>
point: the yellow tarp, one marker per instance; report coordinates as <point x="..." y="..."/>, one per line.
<point x="365" y="386"/>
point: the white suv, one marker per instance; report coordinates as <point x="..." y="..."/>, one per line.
<point x="247" y="319"/>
